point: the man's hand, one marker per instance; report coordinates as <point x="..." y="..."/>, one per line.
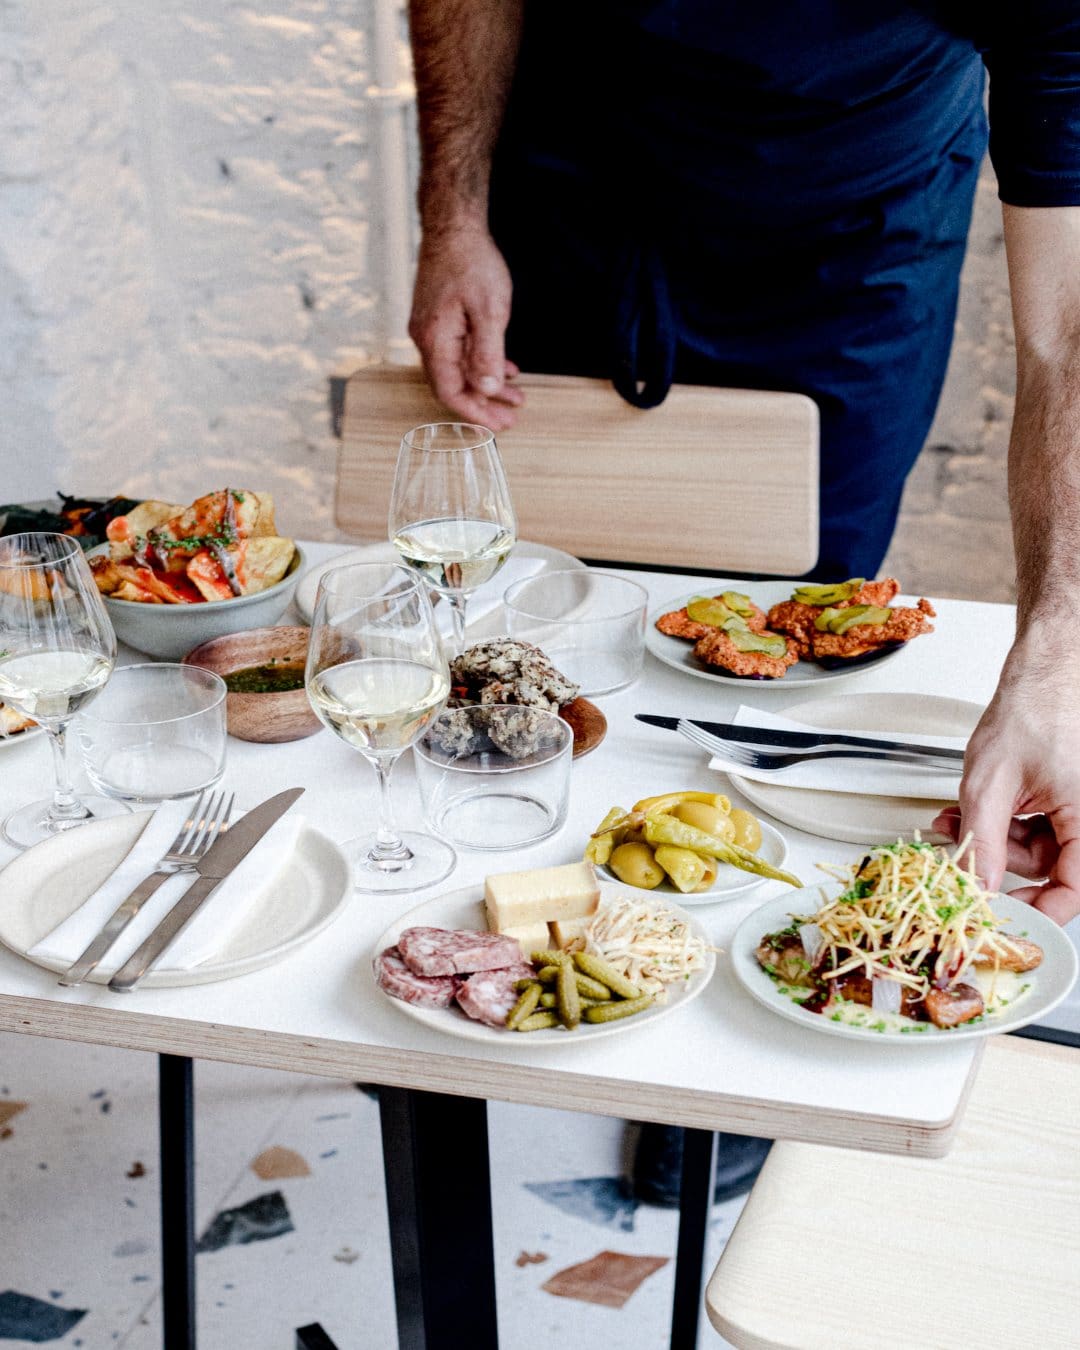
<point x="1023" y="760"/>
<point x="461" y="305"/>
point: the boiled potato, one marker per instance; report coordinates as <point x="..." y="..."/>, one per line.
<point x="705" y="817"/>
<point x="635" y="865"/>
<point x="747" y="830"/>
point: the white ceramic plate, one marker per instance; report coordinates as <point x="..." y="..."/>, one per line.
<point x="849" y="816"/>
<point x="730" y="881"/>
<point x="19" y="737"/>
<point x="42" y="886"/>
<point x="491" y="624"/>
<point x="465" y="909"/>
<point x="679" y="653"/>
<point x="1050" y="982"/>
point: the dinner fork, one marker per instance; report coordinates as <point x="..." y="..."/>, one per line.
<point x="752" y="758"/>
<point x="208" y="819"/>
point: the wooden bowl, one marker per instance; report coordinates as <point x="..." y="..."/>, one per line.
<point x="269" y="717"/>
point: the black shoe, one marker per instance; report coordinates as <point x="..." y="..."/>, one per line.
<point x="657" y="1172"/>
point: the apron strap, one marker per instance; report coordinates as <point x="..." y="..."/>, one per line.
<point x="644" y="356"/>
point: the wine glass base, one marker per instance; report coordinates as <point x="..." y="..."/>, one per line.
<point x="31" y="825"/>
<point x="432" y="861"/>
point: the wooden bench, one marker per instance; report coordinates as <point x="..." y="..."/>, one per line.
<point x="845" y="1250"/>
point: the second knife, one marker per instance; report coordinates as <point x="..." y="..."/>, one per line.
<point x="212" y="869"/>
<point x="798" y="740"/>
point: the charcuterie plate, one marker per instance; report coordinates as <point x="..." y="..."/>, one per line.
<point x="464" y="908"/>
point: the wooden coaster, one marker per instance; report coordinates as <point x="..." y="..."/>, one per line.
<point x="588" y="724"/>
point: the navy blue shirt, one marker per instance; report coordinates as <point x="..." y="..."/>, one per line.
<point x="775" y="195"/>
<point x="747" y="104"/>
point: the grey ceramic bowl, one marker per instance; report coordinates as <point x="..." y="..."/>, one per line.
<point x="169" y="631"/>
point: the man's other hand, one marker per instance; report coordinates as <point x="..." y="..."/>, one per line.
<point x="461" y="304"/>
<point x="1023" y="760"/>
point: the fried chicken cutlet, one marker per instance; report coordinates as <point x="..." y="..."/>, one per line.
<point x="902" y="625"/>
<point x="678" y="623"/>
<point x="716" y="648"/>
<point x="796" y="619"/>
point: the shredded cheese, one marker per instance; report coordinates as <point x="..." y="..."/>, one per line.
<point x="645" y="942"/>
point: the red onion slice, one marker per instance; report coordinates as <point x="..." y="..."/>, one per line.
<point x="885" y="994"/>
<point x="813" y="939"/>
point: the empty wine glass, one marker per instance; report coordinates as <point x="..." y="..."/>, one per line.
<point x="57" y="649"/>
<point x="451" y="517"/>
<point x="376" y="676"/>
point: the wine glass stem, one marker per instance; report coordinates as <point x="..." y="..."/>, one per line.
<point x="390" y="852"/>
<point x="456" y="601"/>
<point x="66" y="807"/>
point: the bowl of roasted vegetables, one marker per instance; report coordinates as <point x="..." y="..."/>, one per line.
<point x="693" y="843"/>
<point x="173" y="577"/>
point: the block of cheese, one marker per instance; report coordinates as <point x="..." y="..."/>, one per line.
<point x="516" y="899"/>
<point x="566" y="932"/>
<point x="531" y="937"/>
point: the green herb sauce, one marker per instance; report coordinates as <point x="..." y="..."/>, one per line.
<point x="275" y="677"/>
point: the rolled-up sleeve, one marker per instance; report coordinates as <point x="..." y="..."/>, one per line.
<point x="1032" y="52"/>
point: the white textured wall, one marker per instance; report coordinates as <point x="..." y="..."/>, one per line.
<point x="185" y="193"/>
<point x="190" y="247"/>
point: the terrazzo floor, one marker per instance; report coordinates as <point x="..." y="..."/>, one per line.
<point x="290" y="1212"/>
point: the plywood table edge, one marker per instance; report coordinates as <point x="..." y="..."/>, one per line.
<point x="522" y="1084"/>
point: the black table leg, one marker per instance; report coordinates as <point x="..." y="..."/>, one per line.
<point x="695" y="1200"/>
<point x="438" y="1195"/>
<point x="176" y="1128"/>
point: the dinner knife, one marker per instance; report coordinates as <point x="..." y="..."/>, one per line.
<point x="226" y="853"/>
<point x="798" y="740"/>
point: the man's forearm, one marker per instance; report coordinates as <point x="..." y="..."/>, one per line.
<point x="464" y="52"/>
<point x="1044" y="452"/>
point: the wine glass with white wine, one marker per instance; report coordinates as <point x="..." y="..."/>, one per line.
<point x="57" y="649"/>
<point x="377" y="677"/>
<point x="451" y="517"/>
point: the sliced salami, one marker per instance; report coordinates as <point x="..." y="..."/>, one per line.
<point x="395" y="978"/>
<point x="455" y="951"/>
<point x="489" y="995"/>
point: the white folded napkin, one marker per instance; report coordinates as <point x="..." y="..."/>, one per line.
<point x="217" y="919"/>
<point x="489" y="597"/>
<point x="866" y="777"/>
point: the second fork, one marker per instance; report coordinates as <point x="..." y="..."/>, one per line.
<point x="751" y="757"/>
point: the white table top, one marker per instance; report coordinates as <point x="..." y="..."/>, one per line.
<point x="724" y="1062"/>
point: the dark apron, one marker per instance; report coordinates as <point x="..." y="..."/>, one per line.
<point x="672" y="214"/>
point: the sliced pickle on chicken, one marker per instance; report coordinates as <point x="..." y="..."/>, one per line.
<point x="769" y="644"/>
<point x="708" y="609"/>
<point x="739" y="604"/>
<point x="834" y="594"/>
<point x="838" y="621"/>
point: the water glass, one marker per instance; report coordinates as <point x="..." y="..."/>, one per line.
<point x="495" y="776"/>
<point x="590" y="624"/>
<point x="156" y="732"/>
